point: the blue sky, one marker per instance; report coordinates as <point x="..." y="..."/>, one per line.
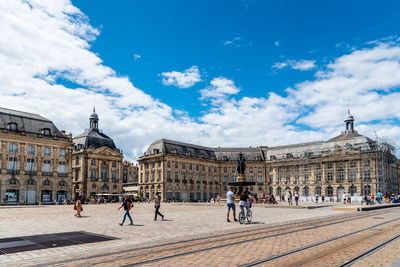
<point x="175" y="35"/>
<point x="214" y="73"/>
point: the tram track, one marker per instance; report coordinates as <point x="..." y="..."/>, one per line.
<point x="371" y="251"/>
<point x="190" y="249"/>
<point x="207" y="243"/>
<point x="357" y="241"/>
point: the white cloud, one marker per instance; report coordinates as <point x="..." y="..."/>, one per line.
<point x="184" y="79"/>
<point x="276" y="43"/>
<point x="137" y="56"/>
<point x="220" y="87"/>
<point x="43" y="41"/>
<point x="233" y="42"/>
<point x="297" y="65"/>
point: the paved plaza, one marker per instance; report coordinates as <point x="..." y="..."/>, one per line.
<point x="182" y="221"/>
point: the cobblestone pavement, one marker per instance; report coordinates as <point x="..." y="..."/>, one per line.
<point x="148" y="240"/>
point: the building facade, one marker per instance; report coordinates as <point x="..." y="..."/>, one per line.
<point x="130" y="178"/>
<point x="349" y="162"/>
<point x="96" y="162"/>
<point x="187" y="172"/>
<point x="35" y="159"/>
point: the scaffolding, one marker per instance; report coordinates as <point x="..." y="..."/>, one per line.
<point x="386" y="165"/>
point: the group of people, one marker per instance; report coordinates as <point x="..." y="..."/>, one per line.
<point x="127" y="204"/>
<point x="380" y="198"/>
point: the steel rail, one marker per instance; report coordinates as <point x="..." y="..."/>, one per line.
<point x="370" y="252"/>
<point x="315" y="244"/>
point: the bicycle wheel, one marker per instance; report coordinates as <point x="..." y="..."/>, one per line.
<point x="241" y="218"/>
<point x="249" y="216"/>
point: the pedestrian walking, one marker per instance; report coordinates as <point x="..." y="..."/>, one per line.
<point x="322" y="199"/>
<point x="127" y="204"/>
<point x="230" y="203"/>
<point x="316" y="198"/>
<point x="157" y="205"/>
<point x="289" y="199"/>
<point x="344" y="197"/>
<point x="296" y="197"/>
<point x="78" y="207"/>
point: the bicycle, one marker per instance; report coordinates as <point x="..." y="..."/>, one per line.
<point x="248" y="216"/>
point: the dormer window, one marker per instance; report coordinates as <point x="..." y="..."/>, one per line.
<point x="46" y="131"/>
<point x="12" y="126"/>
<point x="156" y="151"/>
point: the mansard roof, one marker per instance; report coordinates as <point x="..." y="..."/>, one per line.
<point x="94" y="139"/>
<point x="29" y="123"/>
<point x="192" y="150"/>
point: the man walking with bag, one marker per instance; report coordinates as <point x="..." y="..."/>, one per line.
<point x="157" y="201"/>
<point x="127" y="204"/>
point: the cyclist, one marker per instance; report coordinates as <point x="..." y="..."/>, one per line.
<point x="245" y="202"/>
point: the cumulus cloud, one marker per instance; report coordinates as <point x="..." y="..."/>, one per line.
<point x="220" y="87"/>
<point x="137" y="56"/>
<point x="276" y="43"/>
<point x="42" y="42"/>
<point x="295" y="64"/>
<point x="185" y="79"/>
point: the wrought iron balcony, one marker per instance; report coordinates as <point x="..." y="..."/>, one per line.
<point x="12" y="171"/>
<point x="30" y="173"/>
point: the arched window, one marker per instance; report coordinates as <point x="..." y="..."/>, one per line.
<point x="61" y="183"/>
<point x="93" y="186"/>
<point x="13" y="181"/>
<point x="353" y="190"/>
<point x="278" y="191"/>
<point x="329" y="191"/>
<point x="318" y="190"/>
<point x="306" y="191"/>
<point x="31" y="182"/>
<point x="46" y="182"/>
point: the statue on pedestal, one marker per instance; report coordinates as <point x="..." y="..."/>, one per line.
<point x="241" y="165"/>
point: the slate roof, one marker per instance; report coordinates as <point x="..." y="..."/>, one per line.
<point x="191" y="150"/>
<point x="94" y="139"/>
<point x="29" y="123"/>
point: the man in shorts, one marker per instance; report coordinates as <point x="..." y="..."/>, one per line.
<point x="230" y="203"/>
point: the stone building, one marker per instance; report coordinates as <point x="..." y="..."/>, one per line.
<point x="96" y="162"/>
<point x="349" y="162"/>
<point x="35" y="159"/>
<point x="130" y="178"/>
<point x="187" y="172"/>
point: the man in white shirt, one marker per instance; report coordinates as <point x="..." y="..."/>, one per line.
<point x="230" y="203"/>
